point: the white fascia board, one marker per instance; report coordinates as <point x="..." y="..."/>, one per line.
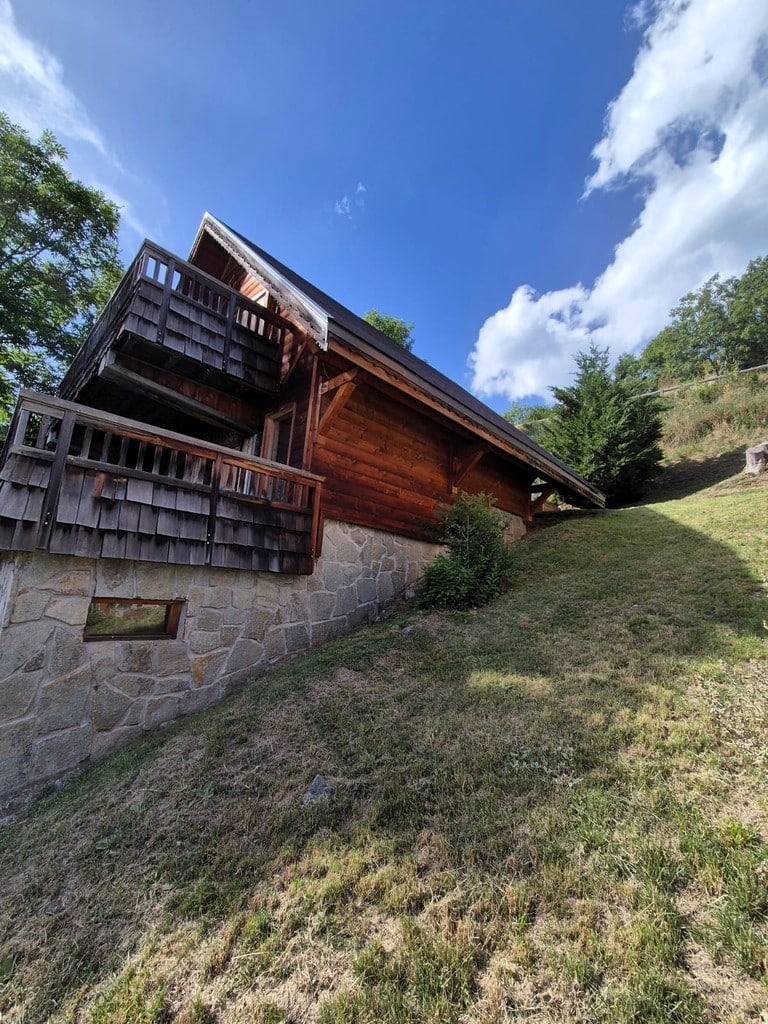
<point x="312" y="317"/>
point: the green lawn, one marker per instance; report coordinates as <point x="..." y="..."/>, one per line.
<point x="551" y="809"/>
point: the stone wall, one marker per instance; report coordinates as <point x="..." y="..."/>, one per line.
<point x="65" y="702"/>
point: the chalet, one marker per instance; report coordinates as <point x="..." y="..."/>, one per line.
<point x="237" y="468"/>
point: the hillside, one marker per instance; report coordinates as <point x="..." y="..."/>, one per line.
<point x="552" y="809"/>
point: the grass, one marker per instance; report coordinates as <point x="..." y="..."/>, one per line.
<point x="551" y="809"/>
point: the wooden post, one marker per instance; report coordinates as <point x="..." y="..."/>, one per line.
<point x="51" y="499"/>
<point x="167" y="288"/>
<point x="228" y="332"/>
<point x="215" y="480"/>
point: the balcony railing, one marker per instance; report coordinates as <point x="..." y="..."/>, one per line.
<point x="173" y="314"/>
<point x="80" y="482"/>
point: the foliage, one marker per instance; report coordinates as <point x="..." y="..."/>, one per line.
<point x="721" y="326"/>
<point x="529" y="418"/>
<point x="398" y="330"/>
<point x="58" y="260"/>
<point x="478" y="564"/>
<point x="727" y="414"/>
<point x="605" y="428"/>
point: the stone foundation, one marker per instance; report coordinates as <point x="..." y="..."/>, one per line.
<point x="65" y="702"/>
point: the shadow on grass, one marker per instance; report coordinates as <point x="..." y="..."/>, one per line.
<point x="453" y="747"/>
<point x="689" y="476"/>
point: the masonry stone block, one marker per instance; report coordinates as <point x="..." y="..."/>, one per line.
<point x="207" y="667"/>
<point x="243" y="598"/>
<point x="72" y="610"/>
<point x="109" y="708"/>
<point x="366" y="591"/>
<point x="398" y="581"/>
<point x="229" y="635"/>
<point x="217" y="597"/>
<point x="259" y="621"/>
<point x="15" y="755"/>
<point x="63" y="703"/>
<point x="102" y="663"/>
<point x="245" y="655"/>
<point x="274" y="643"/>
<point x="195" y="596"/>
<point x="331" y="576"/>
<point x="208" y="619"/>
<point x="346" y="601"/>
<point x="23" y="642"/>
<point x="170" y="658"/>
<point x="385" y="588"/>
<point x="105" y="743"/>
<point x="61" y="752"/>
<point x="297" y="638"/>
<point x="66" y="651"/>
<point x="29" y="605"/>
<point x="115" y="578"/>
<point x="234" y="616"/>
<point x="133" y="657"/>
<point x="231" y="682"/>
<point x="161" y="710"/>
<point x="321" y="606"/>
<point x="203" y="642"/>
<point x="172" y="684"/>
<point x="133" y="685"/>
<point x="322" y="632"/>
<point x="199" y="698"/>
<point x="17" y="694"/>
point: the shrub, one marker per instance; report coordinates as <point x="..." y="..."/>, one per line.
<point x="478" y="563"/>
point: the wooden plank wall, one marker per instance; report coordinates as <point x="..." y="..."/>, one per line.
<point x="388" y="466"/>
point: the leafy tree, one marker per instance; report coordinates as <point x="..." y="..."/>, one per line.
<point x="529" y="418"/>
<point x="58" y="261"/>
<point x="605" y="428"/>
<point x="478" y="564"/>
<point x="398" y="330"/>
<point x="721" y="326"/>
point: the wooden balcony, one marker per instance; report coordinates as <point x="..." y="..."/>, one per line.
<point x="77" y="481"/>
<point x="169" y="313"/>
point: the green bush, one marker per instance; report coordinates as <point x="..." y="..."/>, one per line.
<point x="479" y="561"/>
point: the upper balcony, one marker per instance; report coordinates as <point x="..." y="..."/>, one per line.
<point x="170" y="314"/>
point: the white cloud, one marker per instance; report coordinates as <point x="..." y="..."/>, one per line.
<point x="34" y="95"/>
<point x="343" y="206"/>
<point x="32" y="89"/>
<point x="691" y="129"/>
<point x="347" y="207"/>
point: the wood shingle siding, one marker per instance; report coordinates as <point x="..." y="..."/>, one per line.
<point x="79" y="482"/>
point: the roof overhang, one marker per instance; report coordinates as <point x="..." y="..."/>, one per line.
<point x="307" y="313"/>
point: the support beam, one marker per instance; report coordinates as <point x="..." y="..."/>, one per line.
<point x="464" y="461"/>
<point x="538" y="503"/>
<point x="341" y="396"/>
<point x="338" y="381"/>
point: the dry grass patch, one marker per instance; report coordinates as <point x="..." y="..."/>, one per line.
<point x="553" y="809"/>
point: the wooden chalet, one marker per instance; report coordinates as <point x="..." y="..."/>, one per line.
<point x="223" y="407"/>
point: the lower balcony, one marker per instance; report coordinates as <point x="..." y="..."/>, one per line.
<point x="77" y="481"/>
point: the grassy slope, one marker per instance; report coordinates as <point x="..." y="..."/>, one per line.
<point x="553" y="809"/>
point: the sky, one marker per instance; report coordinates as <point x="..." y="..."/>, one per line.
<point x="518" y="178"/>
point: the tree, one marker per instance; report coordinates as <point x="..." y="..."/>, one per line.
<point x="529" y="418"/>
<point x="398" y="330"/>
<point x="605" y="428"/>
<point x="58" y="261"/>
<point x="721" y="326"/>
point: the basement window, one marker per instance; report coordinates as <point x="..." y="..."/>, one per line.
<point x="114" y="618"/>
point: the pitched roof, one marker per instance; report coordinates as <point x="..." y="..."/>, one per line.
<point x="322" y="315"/>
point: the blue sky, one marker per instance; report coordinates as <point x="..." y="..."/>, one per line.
<point x="518" y="178"/>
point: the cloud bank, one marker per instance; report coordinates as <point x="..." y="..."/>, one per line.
<point x="690" y="128"/>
